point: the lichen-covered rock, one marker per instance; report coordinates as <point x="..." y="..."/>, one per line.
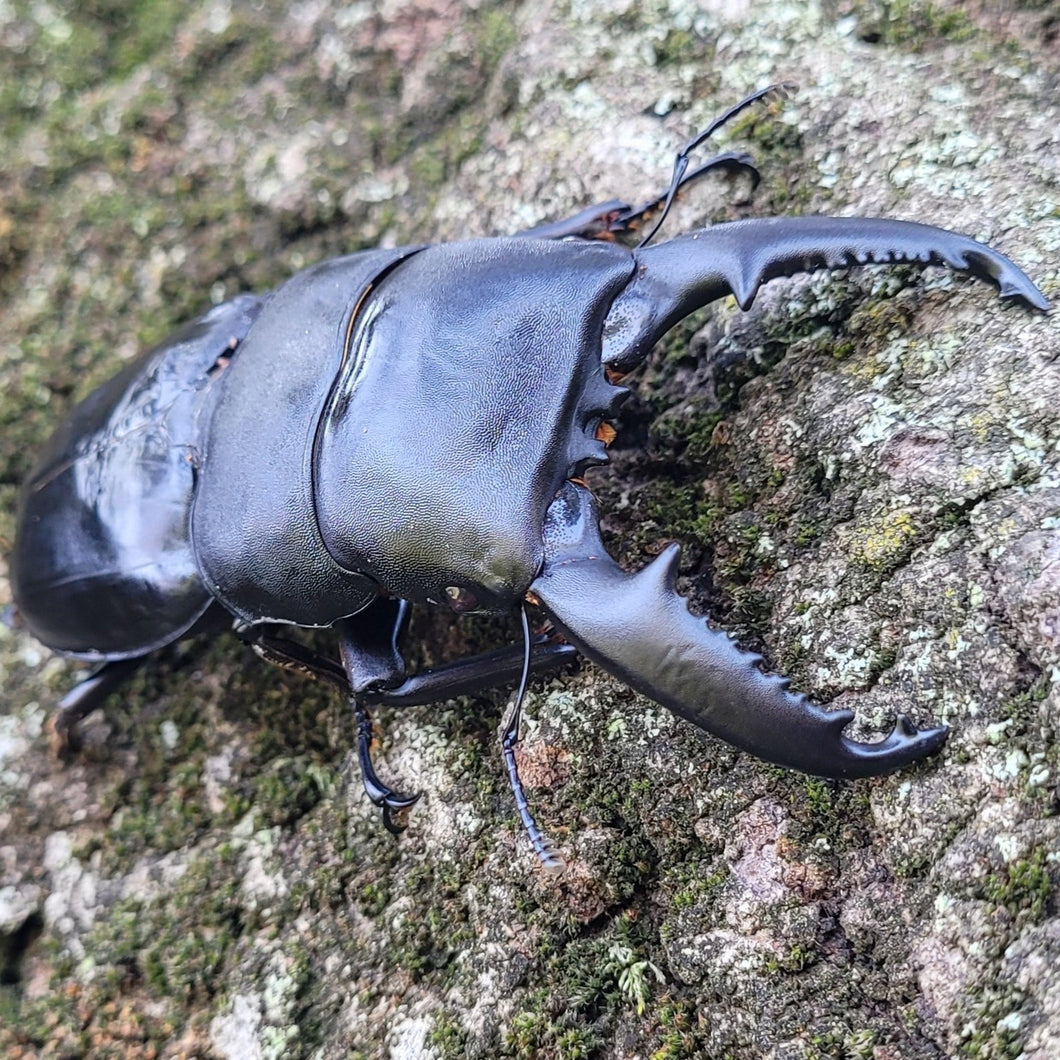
<point x="864" y="471"/>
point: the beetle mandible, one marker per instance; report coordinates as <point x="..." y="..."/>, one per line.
<point x="267" y="463"/>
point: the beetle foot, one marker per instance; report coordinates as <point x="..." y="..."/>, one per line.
<point x="391" y="802"/>
<point x="399" y="804"/>
<point x="85" y="698"/>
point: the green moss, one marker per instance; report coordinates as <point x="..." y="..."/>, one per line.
<point x="758" y="125"/>
<point x="677" y="1041"/>
<point x="689" y="436"/>
<point x="217" y="64"/>
<point x="681" y="47"/>
<point x="175" y="949"/>
<point x="841" y="1043"/>
<point x="1024" y="708"/>
<point x="436" y="161"/>
<point x="53" y="1024"/>
<point x="447" y="1037"/>
<point x="290" y="788"/>
<point x="176" y="946"/>
<point x="673" y="509"/>
<point x="1023" y="888"/>
<point x="69" y="48"/>
<point x="692" y="886"/>
<point x="584" y="986"/>
<point x="990" y="1032"/>
<point x="911" y="24"/>
<point x="822" y="810"/>
<point x="497" y="35"/>
<point x="429" y="935"/>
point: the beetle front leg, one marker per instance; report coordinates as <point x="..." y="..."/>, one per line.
<point x="468" y="676"/>
<point x="605" y="220"/>
<point x="294" y="657"/>
<point x="371" y="658"/>
<point x="461" y="678"/>
<point x="368" y="645"/>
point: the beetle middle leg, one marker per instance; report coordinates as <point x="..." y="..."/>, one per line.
<point x="371" y="658"/>
<point x="478" y="672"/>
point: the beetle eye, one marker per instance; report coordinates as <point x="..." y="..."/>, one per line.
<point x="460" y="599"/>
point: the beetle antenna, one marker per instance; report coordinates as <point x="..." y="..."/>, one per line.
<point x="782" y="90"/>
<point x="509" y="732"/>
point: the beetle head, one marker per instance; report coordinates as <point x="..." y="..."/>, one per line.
<point x="471" y="388"/>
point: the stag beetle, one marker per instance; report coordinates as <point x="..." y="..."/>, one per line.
<point x="410" y="426"/>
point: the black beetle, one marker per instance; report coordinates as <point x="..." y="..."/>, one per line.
<point x="411" y="425"/>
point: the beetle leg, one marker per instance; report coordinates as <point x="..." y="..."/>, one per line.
<point x="379" y="794"/>
<point x="609" y="218"/>
<point x="605" y="220"/>
<point x="368" y="645"/>
<point x="371" y="675"/>
<point x="371" y="658"/>
<point x="294" y="657"/>
<point x="466" y="677"/>
<point x="368" y="642"/>
<point x="87" y="696"/>
<point x="462" y="678"/>
<point x="594" y="222"/>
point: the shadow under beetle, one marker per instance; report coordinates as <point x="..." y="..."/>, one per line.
<point x="410" y="426"/>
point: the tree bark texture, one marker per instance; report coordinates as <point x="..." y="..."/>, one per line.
<point x="864" y="472"/>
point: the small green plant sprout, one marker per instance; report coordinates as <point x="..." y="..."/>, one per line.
<point x="631" y="974"/>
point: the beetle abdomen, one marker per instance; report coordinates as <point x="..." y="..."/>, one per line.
<point x="103" y="566"/>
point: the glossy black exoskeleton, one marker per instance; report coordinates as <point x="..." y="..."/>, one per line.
<point x="410" y="426"/>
